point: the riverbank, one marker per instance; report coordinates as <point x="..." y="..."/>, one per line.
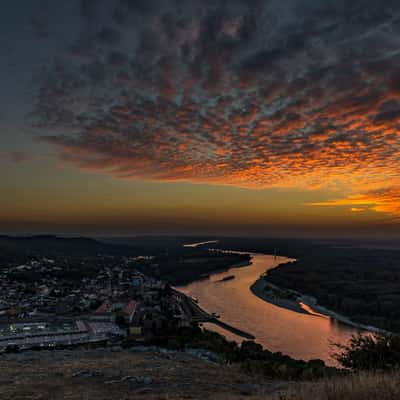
<point x="312" y="303"/>
<point x="303" y="304"/>
<point x="272" y="296"/>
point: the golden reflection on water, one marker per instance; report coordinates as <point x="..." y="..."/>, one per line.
<point x="277" y="329"/>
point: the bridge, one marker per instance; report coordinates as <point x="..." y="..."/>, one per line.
<point x="200" y="316"/>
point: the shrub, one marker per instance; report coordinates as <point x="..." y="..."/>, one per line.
<point x="370" y="352"/>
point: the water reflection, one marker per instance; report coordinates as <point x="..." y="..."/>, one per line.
<point x="277" y="329"/>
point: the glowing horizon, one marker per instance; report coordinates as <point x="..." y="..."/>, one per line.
<point x="202" y="116"/>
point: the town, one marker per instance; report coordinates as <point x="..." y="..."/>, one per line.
<point x="43" y="304"/>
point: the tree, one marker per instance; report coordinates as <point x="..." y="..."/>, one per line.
<point x="370" y="352"/>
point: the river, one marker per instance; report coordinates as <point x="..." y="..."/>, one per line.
<point x="299" y="335"/>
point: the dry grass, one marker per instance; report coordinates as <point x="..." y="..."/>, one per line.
<point x="63" y="375"/>
<point x="105" y="375"/>
<point x="364" y="386"/>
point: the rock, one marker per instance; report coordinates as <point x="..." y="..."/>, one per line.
<point x="112" y="382"/>
<point x="147" y="380"/>
<point x="85" y="374"/>
<point x="204" y="355"/>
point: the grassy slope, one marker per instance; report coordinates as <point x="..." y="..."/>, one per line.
<point x="102" y="374"/>
<point x="122" y="375"/>
<point x="363" y="386"/>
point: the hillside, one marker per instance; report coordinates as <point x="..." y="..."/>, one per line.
<point x="22" y="248"/>
<point x="147" y="374"/>
<point x="105" y="374"/>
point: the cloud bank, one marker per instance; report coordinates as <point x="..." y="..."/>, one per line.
<point x="257" y="94"/>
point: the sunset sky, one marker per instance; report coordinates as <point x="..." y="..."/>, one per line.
<point x="264" y="117"/>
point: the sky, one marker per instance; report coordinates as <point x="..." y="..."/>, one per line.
<point x="256" y="117"/>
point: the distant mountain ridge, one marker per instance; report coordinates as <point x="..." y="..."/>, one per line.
<point x="51" y="245"/>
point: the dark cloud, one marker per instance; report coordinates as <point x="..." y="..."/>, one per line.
<point x="249" y="93"/>
<point x="88" y="8"/>
<point x="117" y="58"/>
<point x="40" y="27"/>
<point x="140" y="6"/>
<point x="109" y="36"/>
<point x="388" y="115"/>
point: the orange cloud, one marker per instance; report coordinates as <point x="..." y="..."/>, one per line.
<point x="386" y="200"/>
<point x="210" y="100"/>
